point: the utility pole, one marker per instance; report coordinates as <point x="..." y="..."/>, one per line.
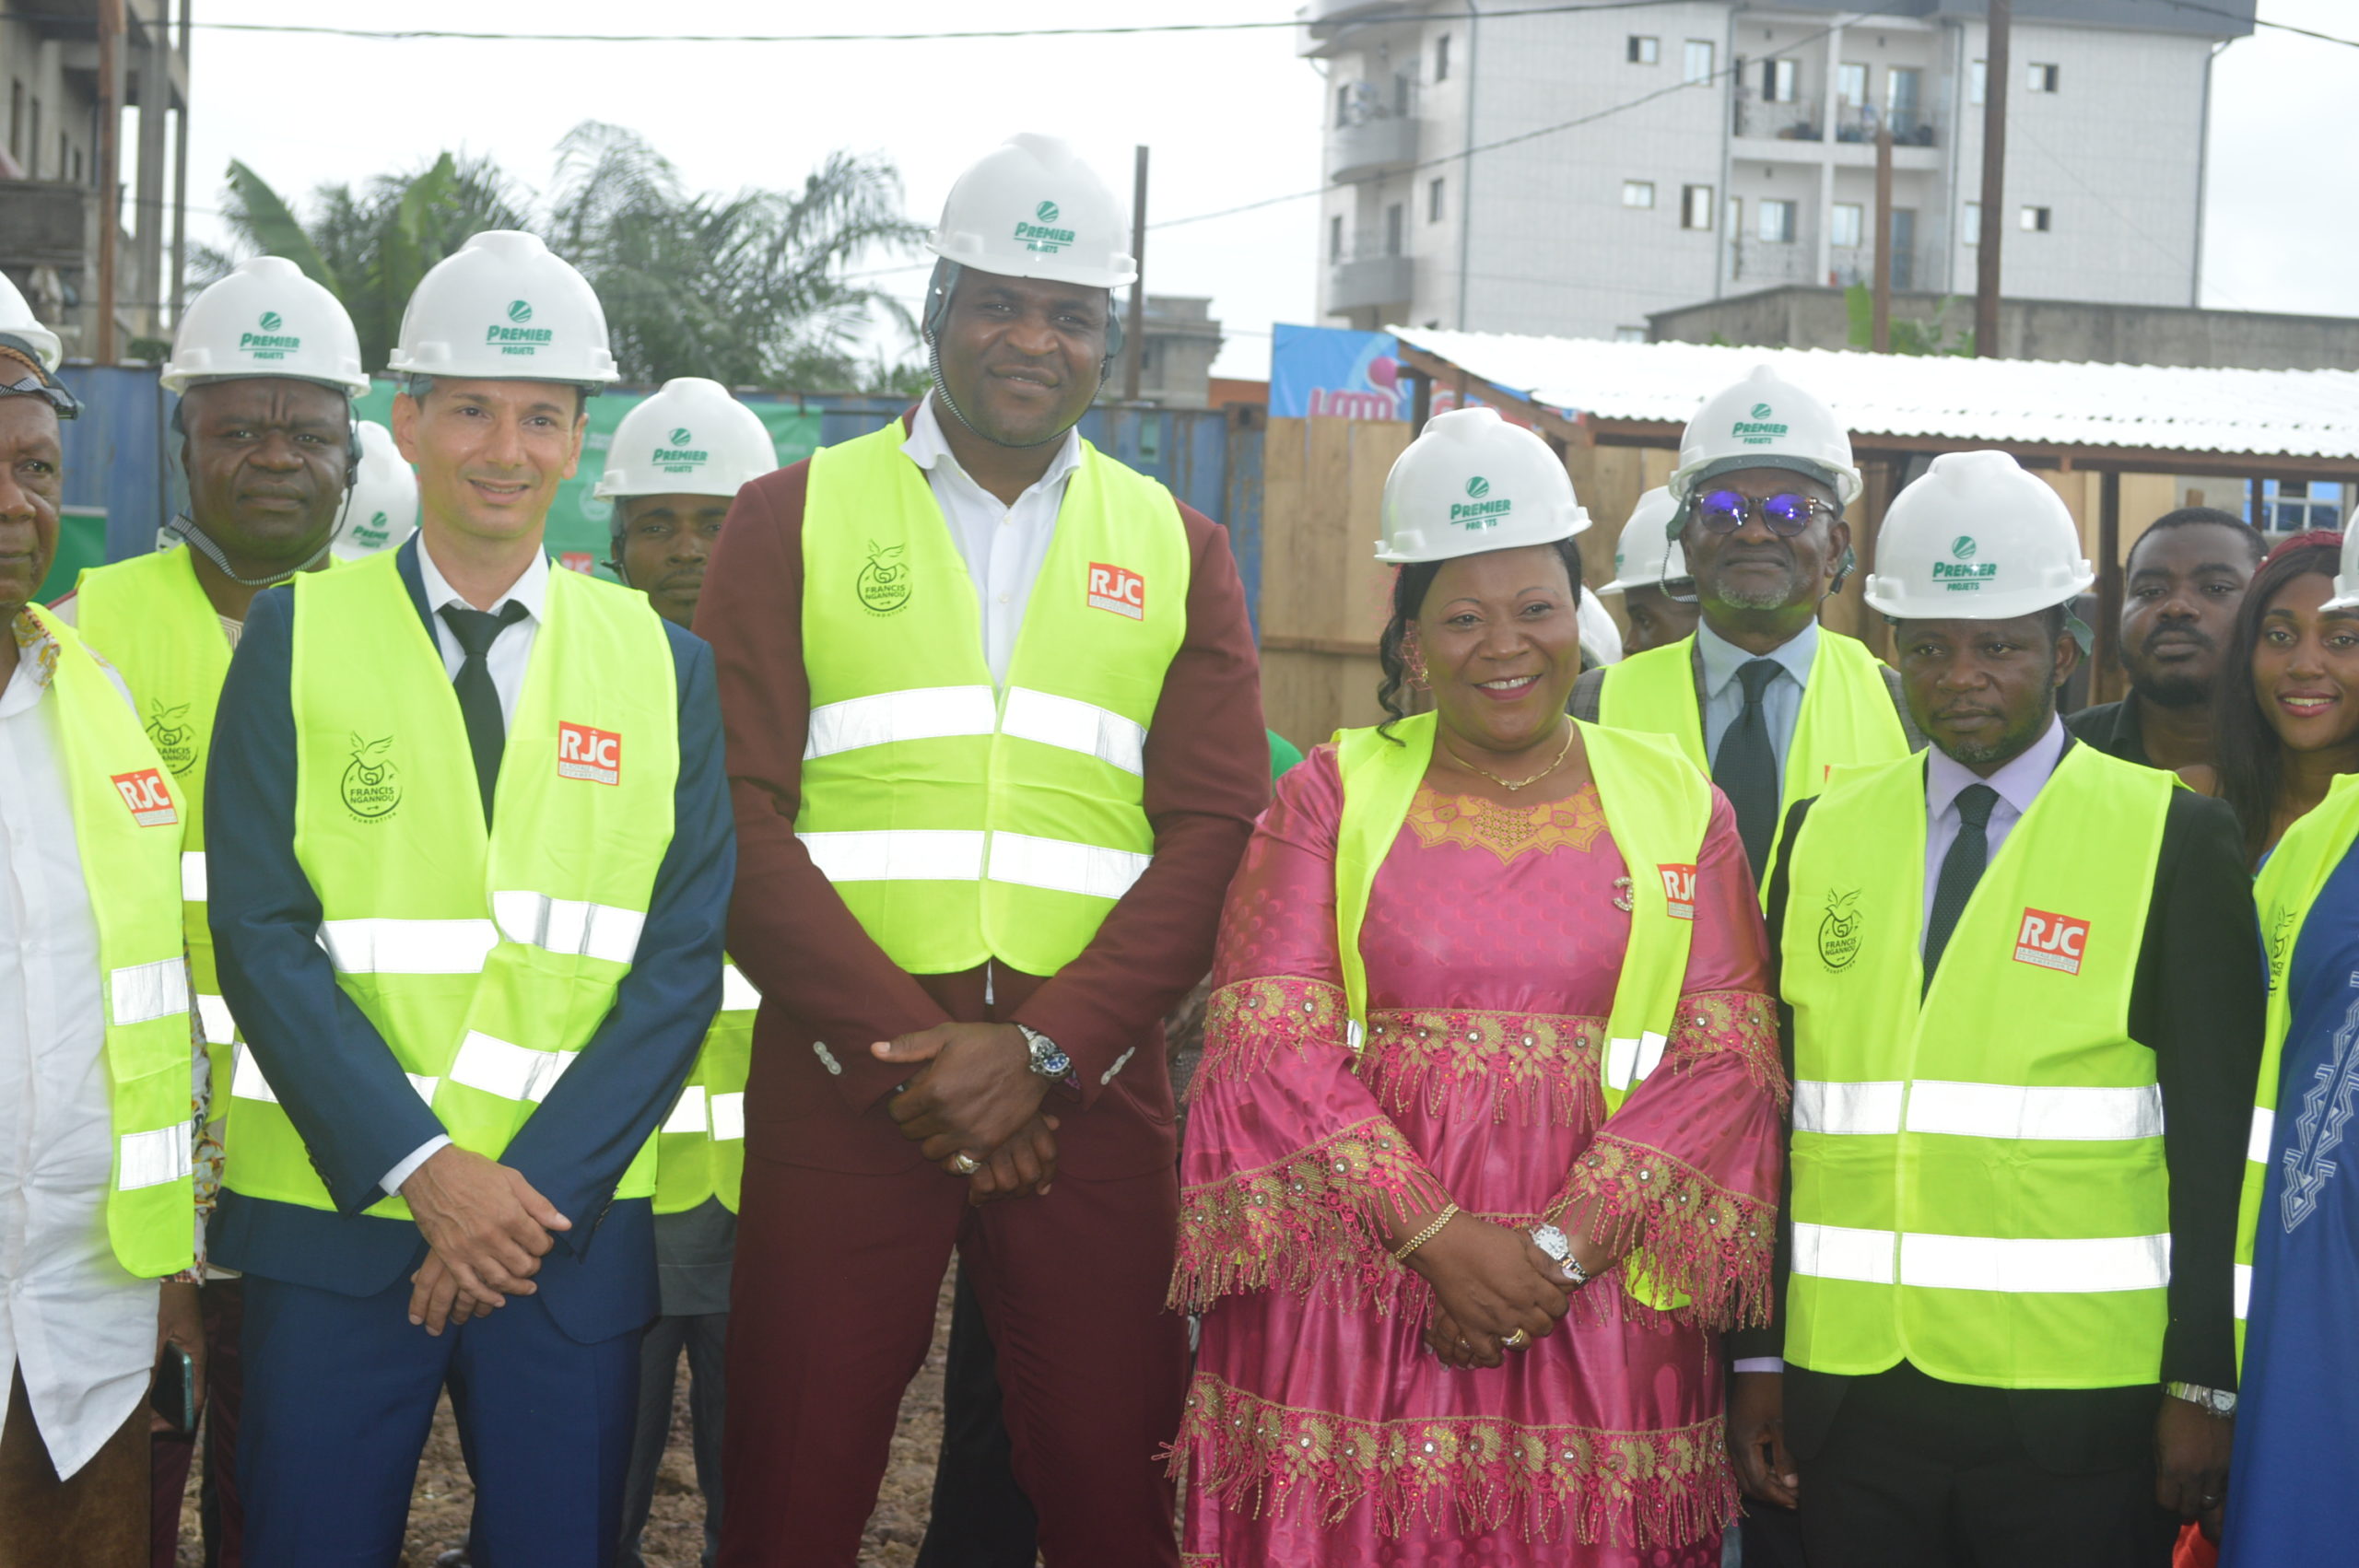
<point x="1995" y="74"/>
<point x="1879" y="331"/>
<point x="1134" y="337"/>
<point x="109" y="168"/>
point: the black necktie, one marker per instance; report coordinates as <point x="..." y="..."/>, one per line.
<point x="1961" y="869"/>
<point x="1746" y="769"/>
<point x="478" y="699"/>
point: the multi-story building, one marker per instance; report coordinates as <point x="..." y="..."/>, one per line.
<point x="1629" y="159"/>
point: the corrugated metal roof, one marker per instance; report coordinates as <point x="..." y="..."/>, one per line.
<point x="2287" y="413"/>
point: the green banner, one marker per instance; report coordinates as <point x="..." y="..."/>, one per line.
<point x="81" y="542"/>
<point x="580" y="527"/>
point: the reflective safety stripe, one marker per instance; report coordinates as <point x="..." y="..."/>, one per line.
<point x="1839" y="1252"/>
<point x="373" y="947"/>
<point x="929" y="713"/>
<point x="193" y="876"/>
<point x="1864" y="1109"/>
<point x="569" y="926"/>
<point x="213" y="1016"/>
<point x="2028" y="1267"/>
<point x="2243" y="1290"/>
<point x="687" y="1111"/>
<point x="2261" y="1144"/>
<point x="1632" y="1061"/>
<point x="246" y="1082"/>
<point x="424" y="1085"/>
<point x="1064" y="867"/>
<point x="511" y="1072"/>
<point x="903" y="855"/>
<point x="728" y="1116"/>
<point x="144" y="993"/>
<point x="2013" y="1111"/>
<point x="737" y="993"/>
<point x="152" y="1159"/>
<point x="1076" y="726"/>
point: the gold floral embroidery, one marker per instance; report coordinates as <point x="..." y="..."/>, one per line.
<point x="1543" y="1065"/>
<point x="1508" y="831"/>
<point x="31" y="634"/>
<point x="1247" y="1022"/>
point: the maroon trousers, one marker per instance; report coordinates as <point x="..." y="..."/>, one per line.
<point x="836" y="1278"/>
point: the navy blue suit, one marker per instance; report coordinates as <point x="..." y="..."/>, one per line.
<point x="341" y="1387"/>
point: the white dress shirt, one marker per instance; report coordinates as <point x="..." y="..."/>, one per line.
<point x="2018" y="783"/>
<point x="1782" y="699"/>
<point x="510" y="652"/>
<point x="1003" y="547"/>
<point x="78" y="1328"/>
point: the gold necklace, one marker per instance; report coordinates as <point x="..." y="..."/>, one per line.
<point x="1510" y="784"/>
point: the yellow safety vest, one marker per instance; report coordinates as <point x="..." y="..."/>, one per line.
<point x="1978" y="1183"/>
<point x="487" y="961"/>
<point x="1659" y="809"/>
<point x="1846" y="716"/>
<point x="700" y="1149"/>
<point x="2287" y="888"/>
<point x="150" y="619"/>
<point x="957" y="821"/>
<point x="127" y="820"/>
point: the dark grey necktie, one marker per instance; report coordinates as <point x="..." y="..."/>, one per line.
<point x="1746" y="768"/>
<point x="478" y="699"/>
<point x="1961" y="869"/>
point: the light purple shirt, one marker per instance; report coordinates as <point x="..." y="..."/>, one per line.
<point x="2018" y="783"/>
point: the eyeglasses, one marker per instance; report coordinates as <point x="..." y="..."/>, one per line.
<point x="1786" y="514"/>
<point x="50" y="392"/>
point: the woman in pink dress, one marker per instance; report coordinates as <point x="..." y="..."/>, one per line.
<point x="1475" y="1406"/>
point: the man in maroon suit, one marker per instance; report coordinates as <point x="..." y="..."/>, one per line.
<point x="991" y="771"/>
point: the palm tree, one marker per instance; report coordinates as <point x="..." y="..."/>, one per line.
<point x="750" y="289"/>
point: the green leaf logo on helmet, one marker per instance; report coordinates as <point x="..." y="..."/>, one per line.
<point x="271" y="320"/>
<point x="1762" y="411"/>
<point x="680" y="436"/>
<point x="1045" y="211"/>
<point x="1962" y="547"/>
<point x="519" y="311"/>
<point x="1478" y="487"/>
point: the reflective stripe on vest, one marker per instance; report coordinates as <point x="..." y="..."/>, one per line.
<point x="149" y="617"/>
<point x="1658" y="810"/>
<point x="1030" y="798"/>
<point x="485" y="961"/>
<point x="128" y="813"/>
<point x="1847" y="718"/>
<point x="700" y="1149"/>
<point x="1999" y="1138"/>
<point x="2287" y="887"/>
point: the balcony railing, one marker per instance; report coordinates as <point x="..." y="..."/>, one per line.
<point x="1910" y="128"/>
<point x="1771" y="261"/>
<point x="1796" y="121"/>
<point x="1848" y="264"/>
<point x="1375" y="143"/>
<point x="1364" y="281"/>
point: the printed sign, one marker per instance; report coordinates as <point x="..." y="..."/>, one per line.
<point x="1117" y="589"/>
<point x="148" y="796"/>
<point x="594" y="755"/>
<point x="1679" y="888"/>
<point x="2051" y="940"/>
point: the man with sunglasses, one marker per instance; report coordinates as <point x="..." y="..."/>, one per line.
<point x="1762" y="697"/>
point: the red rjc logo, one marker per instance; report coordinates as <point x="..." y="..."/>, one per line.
<point x="1679" y="889"/>
<point x="148" y="796"/>
<point x="593" y="755"/>
<point x="2051" y="940"/>
<point x="1117" y="589"/>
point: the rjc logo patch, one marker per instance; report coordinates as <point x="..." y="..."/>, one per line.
<point x="1679" y="890"/>
<point x="595" y="755"/>
<point x="149" y="799"/>
<point x="1117" y="589"/>
<point x="2052" y="942"/>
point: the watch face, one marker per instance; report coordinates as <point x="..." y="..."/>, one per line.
<point x="1552" y="1241"/>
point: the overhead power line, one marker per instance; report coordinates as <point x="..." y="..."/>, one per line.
<point x="2257" y="21"/>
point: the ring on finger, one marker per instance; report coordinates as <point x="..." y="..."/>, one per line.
<point x="964" y="1164"/>
<point x="1516" y="1340"/>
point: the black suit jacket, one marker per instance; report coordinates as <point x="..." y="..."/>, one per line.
<point x="2196" y="1000"/>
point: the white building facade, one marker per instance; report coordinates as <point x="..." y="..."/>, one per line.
<point x="1660" y="155"/>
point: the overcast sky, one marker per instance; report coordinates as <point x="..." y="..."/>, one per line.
<point x="1231" y="117"/>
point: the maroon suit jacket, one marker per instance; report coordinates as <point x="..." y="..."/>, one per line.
<point x="822" y="979"/>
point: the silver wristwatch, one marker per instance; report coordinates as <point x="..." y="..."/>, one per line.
<point x="1559" y="1246"/>
<point x="1049" y="1059"/>
<point x="2211" y="1401"/>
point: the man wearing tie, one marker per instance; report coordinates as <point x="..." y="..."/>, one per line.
<point x="1761" y="696"/>
<point x="474" y="857"/>
<point x="2023" y="987"/>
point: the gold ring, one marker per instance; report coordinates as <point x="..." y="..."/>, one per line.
<point x="1516" y="1340"/>
<point x="964" y="1163"/>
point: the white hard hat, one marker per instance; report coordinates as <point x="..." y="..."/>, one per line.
<point x="1601" y="639"/>
<point x="2346" y="577"/>
<point x="20" y="332"/>
<point x="267" y="318"/>
<point x="1031" y="208"/>
<point x="1764" y="421"/>
<point x="690" y="439"/>
<point x="1646" y="555"/>
<point x="1473" y="483"/>
<point x="503" y="309"/>
<point x="383" y="510"/>
<point x="1976" y="539"/>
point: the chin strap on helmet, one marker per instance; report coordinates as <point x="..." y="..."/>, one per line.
<point x="937" y="315"/>
<point x="185" y="526"/>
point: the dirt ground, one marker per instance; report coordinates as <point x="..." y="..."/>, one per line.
<point x="439" y="1510"/>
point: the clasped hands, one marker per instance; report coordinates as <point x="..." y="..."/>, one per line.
<point x="487" y="1231"/>
<point x="974" y="1107"/>
<point x="1489" y="1282"/>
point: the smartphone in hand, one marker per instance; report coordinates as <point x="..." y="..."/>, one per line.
<point x="173" y="1394"/>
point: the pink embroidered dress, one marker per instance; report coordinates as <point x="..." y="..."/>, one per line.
<point x="1319" y="1429"/>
